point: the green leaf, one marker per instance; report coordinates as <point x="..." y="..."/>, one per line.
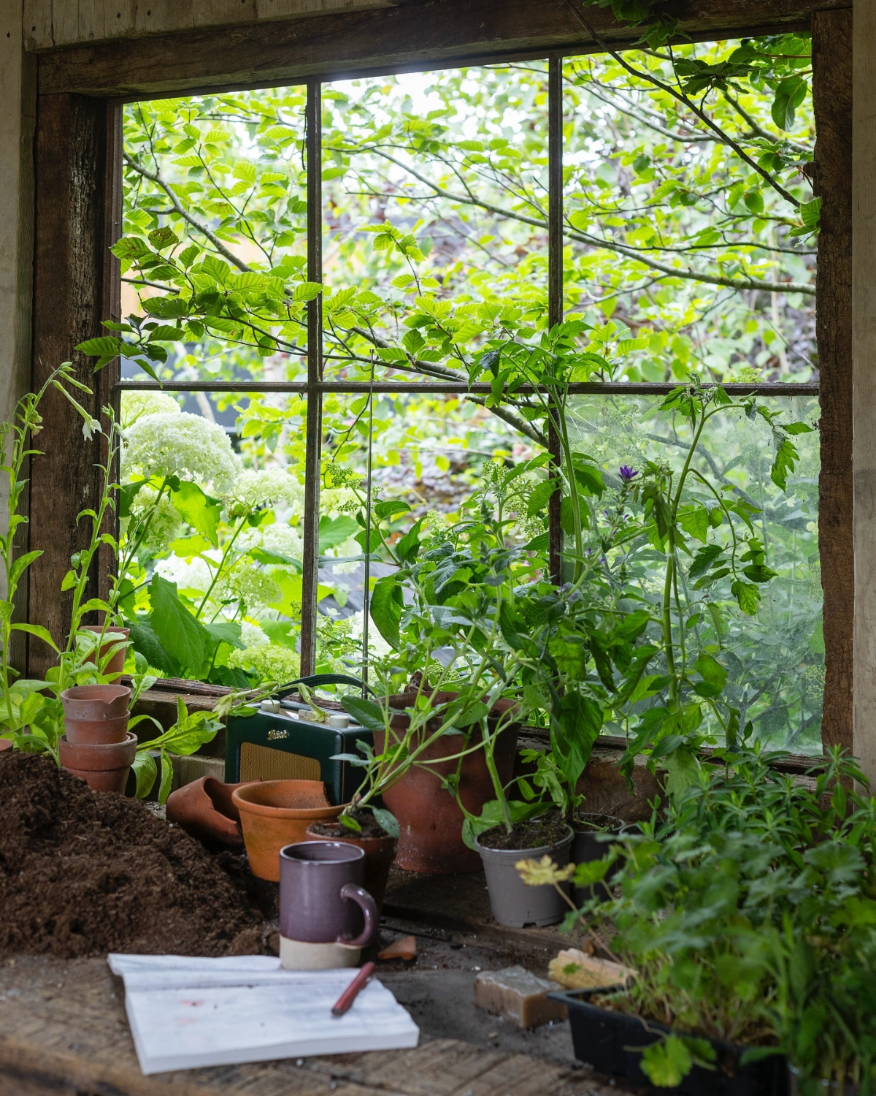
<point x="573" y="733"/>
<point x="145" y="773"/>
<point x="166" y="778"/>
<point x="694" y="520"/>
<point x="334" y="531"/>
<point x="790" y="94"/>
<point x="746" y="595"/>
<point x="386" y="820"/>
<point x="225" y="632"/>
<point x="540" y="496"/>
<point x="386" y="606"/>
<point x="38" y="631"/>
<point x="200" y="510"/>
<point x="366" y="712"/>
<point x="183" y="637"/>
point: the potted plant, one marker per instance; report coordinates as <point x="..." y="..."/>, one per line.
<point x="748" y="920"/>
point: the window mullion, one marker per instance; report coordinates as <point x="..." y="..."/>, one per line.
<point x="555" y="283"/>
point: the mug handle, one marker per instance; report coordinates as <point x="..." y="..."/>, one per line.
<point x="368" y="906"/>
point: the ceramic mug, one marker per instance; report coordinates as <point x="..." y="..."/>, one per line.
<point x="323" y="906"/>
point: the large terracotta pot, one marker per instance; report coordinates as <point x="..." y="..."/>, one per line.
<point x="429" y="819"/>
<point x="103" y="767"/>
<point x="379" y="854"/>
<point x="274" y="813"/>
<point x="111" y="636"/>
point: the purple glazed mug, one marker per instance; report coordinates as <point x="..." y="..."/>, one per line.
<point x="322" y="900"/>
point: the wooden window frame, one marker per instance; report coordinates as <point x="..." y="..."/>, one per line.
<point x="81" y="92"/>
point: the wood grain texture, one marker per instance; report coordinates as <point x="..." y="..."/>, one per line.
<point x="422" y="34"/>
<point x="68" y="304"/>
<point x="864" y="381"/>
<point x="63" y="1031"/>
<point x="832" y="90"/>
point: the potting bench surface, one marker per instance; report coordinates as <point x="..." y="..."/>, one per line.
<point x="63" y="1031"/>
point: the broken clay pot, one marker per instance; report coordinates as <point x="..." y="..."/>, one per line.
<point x="379" y="854"/>
<point x="205" y="809"/>
<point x="105" y="767"/>
<point x="274" y="813"/>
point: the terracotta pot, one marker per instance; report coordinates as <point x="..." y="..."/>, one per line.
<point x="379" y="854"/>
<point x="95" y="732"/>
<point x="111" y="636"/>
<point x="429" y="819"/>
<point x="274" y="813"/>
<point x="103" y="767"/>
<point x="5" y="744"/>
<point x="95" y="702"/>
<point x="205" y="809"/>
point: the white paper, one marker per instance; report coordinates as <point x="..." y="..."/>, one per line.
<point x="187" y="1012"/>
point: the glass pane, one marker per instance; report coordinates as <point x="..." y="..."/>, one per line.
<point x="435" y="205"/>
<point x="674" y="244"/>
<point x="428" y="456"/>
<point x="211" y="527"/>
<point x="215" y="237"/>
<point x="774" y="659"/>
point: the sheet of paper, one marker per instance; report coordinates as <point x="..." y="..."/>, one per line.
<point x="186" y="1012"/>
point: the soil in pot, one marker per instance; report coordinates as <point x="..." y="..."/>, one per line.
<point x="512" y="901"/>
<point x="82" y="874"/>
<point x="274" y="813"/>
<point x="612" y="1042"/>
<point x="429" y="818"/>
<point x="379" y="848"/>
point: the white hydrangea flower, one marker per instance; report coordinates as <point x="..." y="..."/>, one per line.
<point x="188" y="574"/>
<point x="338" y="500"/>
<point x="255" y="588"/>
<point x="279" y="537"/>
<point x="254" y="488"/>
<point x="164" y="523"/>
<point x="350" y="547"/>
<point x="180" y="444"/>
<point x="137" y="404"/>
<point x="251" y="635"/>
<point x="377" y="645"/>
<point x="269" y="662"/>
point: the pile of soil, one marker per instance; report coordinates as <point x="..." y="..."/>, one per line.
<point x="83" y="873"/>
<point x="550" y="829"/>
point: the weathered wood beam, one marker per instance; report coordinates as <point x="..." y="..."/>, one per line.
<point x="832" y="92"/>
<point x="68" y="306"/>
<point x="419" y="35"/>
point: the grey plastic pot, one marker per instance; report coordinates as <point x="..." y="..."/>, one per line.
<point x="512" y="901"/>
<point x="594" y="835"/>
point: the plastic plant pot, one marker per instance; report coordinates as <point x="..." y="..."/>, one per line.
<point x="274" y="813"/>
<point x="612" y="1042"/>
<point x="594" y="836"/>
<point x="515" y="903"/>
<point x="105" y="767"/>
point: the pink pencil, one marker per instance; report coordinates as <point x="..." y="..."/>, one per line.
<point x="345" y="1001"/>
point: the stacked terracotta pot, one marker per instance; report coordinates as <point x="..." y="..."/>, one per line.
<point x="97" y="744"/>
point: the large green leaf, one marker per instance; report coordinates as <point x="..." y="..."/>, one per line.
<point x="183" y="637"/>
<point x="200" y="510"/>
<point x="386" y="608"/>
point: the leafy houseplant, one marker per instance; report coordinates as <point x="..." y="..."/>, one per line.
<point x="749" y="917"/>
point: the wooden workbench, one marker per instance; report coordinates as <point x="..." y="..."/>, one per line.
<point x="63" y="1032"/>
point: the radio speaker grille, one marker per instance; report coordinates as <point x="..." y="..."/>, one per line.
<point x="263" y="763"/>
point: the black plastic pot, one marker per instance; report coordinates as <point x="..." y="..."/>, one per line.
<point x="612" y="1042"/>
<point x="512" y="901"/>
<point x="594" y="836"/>
<point x="798" y="1087"/>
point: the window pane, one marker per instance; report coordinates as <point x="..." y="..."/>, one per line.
<point x="215" y="230"/>
<point x="660" y="211"/>
<point x="775" y="659"/>
<point x="435" y="205"/>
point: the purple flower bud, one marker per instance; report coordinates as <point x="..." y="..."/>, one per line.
<point x="627" y="474"/>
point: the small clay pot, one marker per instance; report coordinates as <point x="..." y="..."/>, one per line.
<point x="104" y="768"/>
<point x="93" y="702"/>
<point x="379" y="854"/>
<point x="514" y="902"/>
<point x="205" y="809"/>
<point x="111" y="636"/>
<point x="5" y="744"/>
<point x="429" y="818"/>
<point x="274" y="813"/>
<point x="96" y="732"/>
